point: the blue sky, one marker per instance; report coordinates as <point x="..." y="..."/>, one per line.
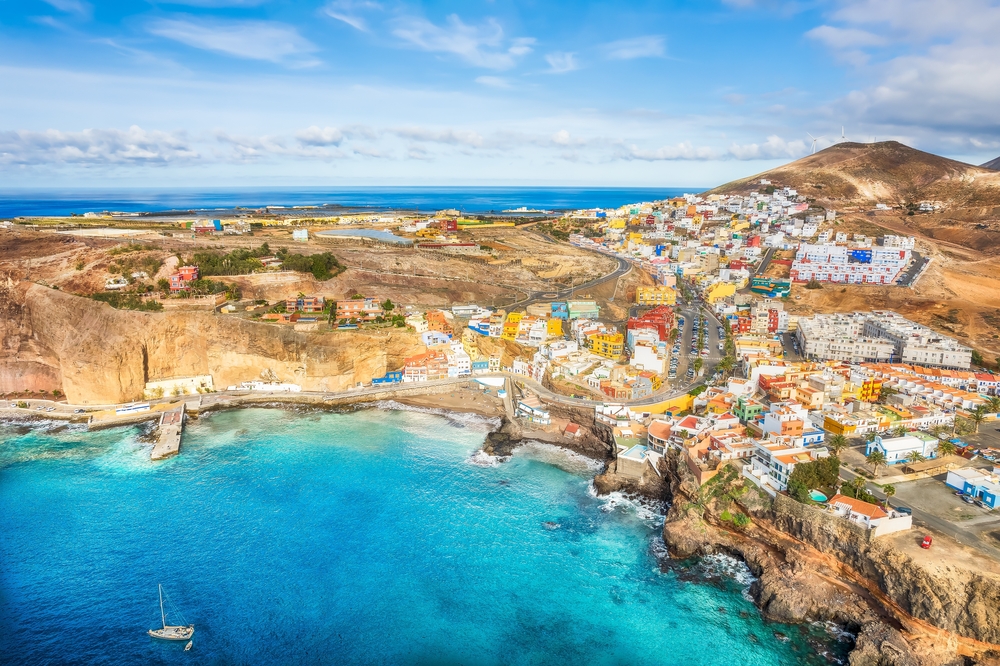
<point x="346" y="92"/>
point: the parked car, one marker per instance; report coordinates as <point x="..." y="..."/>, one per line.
<point x="926" y="543"/>
<point x="968" y="500"/>
<point x="78" y="411"/>
<point x="905" y="510"/>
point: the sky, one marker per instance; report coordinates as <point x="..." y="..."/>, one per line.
<point x="203" y="93"/>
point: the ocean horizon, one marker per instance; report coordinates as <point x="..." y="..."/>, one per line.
<point x="376" y="536"/>
<point x="468" y="199"/>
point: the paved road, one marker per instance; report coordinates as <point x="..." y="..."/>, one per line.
<point x="765" y="261"/>
<point x="917" y="265"/>
<point x="565" y="294"/>
<point x="934" y="522"/>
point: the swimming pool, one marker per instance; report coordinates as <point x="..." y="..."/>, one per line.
<point x="817" y="496"/>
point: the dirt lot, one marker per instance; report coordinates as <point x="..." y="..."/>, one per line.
<point x="958" y="295"/>
<point x="521" y="261"/>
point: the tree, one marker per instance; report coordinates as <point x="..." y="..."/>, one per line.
<point x="673" y="335"/>
<point x="163" y="284"/>
<point x="876" y="459"/>
<point x="946" y="448"/>
<point x="977" y="358"/>
<point x="915" y="457"/>
<point x="698" y="363"/>
<point x="726" y="365"/>
<point x="898" y="431"/>
<point x="858" y="483"/>
<point x="837" y="444"/>
<point x="994" y="402"/>
<point x="889" y="491"/>
<point x="388" y="306"/>
<point x="977" y="416"/>
<point x="870" y="437"/>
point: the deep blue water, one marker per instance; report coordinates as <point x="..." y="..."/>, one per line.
<point x="363" y="538"/>
<point x="468" y="199"/>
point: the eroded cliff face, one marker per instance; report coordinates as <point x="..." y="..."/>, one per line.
<point x="815" y="566"/>
<point x="100" y="355"/>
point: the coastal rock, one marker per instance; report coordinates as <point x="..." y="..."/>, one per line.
<point x="503" y="440"/>
<point x="814" y="566"/>
<point x="99" y="355"/>
<point x="878" y="644"/>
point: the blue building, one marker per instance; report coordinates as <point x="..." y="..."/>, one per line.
<point x="480" y="367"/>
<point x="978" y="483"/>
<point x="480" y="326"/>
<point x="560" y="310"/>
<point x="395" y="377"/>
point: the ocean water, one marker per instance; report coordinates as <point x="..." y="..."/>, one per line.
<point x="374" y="537"/>
<point x="468" y="199"/>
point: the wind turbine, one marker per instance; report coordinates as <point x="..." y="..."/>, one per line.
<point x="814" y="140"/>
<point x="842" y="137"/>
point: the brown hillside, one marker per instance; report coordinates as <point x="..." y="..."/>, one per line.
<point x="993" y="164"/>
<point x="887" y="172"/>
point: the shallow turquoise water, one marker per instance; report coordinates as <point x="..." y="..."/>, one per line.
<point x="360" y="538"/>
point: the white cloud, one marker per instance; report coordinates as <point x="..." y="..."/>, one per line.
<point x="446" y="136"/>
<point x="255" y="40"/>
<point x="842" y="38"/>
<point x="945" y="76"/>
<point x="482" y="45"/>
<point x="95" y="146"/>
<point x="78" y="7"/>
<point x="681" y="151"/>
<point x="560" y="63"/>
<point x="349" y="12"/>
<point x="493" y="82"/>
<point x="314" y="136"/>
<point x="774" y="148"/>
<point x="648" y="46"/>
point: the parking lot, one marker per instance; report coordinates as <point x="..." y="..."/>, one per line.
<point x="933" y="501"/>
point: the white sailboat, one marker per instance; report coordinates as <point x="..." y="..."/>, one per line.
<point x="171" y="632"/>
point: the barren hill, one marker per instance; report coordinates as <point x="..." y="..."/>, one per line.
<point x="993" y="164"/>
<point x="887" y="172"/>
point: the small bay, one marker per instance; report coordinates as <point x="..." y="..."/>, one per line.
<point x="372" y="537"/>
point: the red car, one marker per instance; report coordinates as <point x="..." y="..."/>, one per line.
<point x="926" y="543"/>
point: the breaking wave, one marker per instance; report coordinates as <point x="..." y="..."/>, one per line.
<point x="464" y="419"/>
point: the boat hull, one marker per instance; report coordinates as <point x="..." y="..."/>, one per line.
<point x="173" y="633"/>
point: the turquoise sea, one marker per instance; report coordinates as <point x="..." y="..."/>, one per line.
<point x="371" y="537"/>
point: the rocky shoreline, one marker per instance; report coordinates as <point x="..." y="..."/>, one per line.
<point x="810" y="566"/>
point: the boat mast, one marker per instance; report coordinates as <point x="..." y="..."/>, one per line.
<point x="163" y="618"/>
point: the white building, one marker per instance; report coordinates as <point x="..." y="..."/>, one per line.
<point x="899" y="449"/>
<point x="917" y="344"/>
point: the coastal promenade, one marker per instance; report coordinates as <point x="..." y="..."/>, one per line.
<point x="224" y="399"/>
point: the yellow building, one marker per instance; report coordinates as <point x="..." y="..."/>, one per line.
<point x="608" y="345"/>
<point x="718" y="291"/>
<point x="512" y="325"/>
<point x="658" y="295"/>
<point x="617" y="224"/>
<point x="555" y="327"/>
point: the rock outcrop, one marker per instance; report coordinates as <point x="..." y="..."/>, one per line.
<point x="99" y="355"/>
<point x="811" y="565"/>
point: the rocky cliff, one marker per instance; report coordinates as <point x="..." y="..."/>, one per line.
<point x="99" y="355"/>
<point x="815" y="566"/>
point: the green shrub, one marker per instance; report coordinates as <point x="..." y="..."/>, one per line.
<point x="127" y="300"/>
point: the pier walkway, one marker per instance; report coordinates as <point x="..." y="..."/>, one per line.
<point x="168" y="441"/>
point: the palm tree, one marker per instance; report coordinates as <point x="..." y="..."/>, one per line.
<point x="837" y="444"/>
<point x="899" y="431"/>
<point x="945" y="448"/>
<point x="858" y="483"/>
<point x="870" y="437"/>
<point x="937" y="430"/>
<point x="726" y="365"/>
<point x="889" y="491"/>
<point x="876" y="459"/>
<point x="993" y="403"/>
<point x="915" y="457"/>
<point x="977" y="416"/>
